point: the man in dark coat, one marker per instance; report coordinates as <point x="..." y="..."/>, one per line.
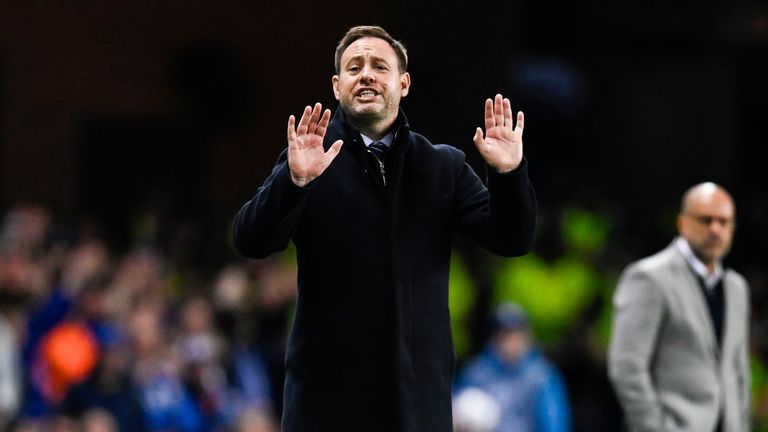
<point x="370" y="348"/>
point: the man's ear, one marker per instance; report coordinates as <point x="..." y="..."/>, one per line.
<point x="680" y="223"/>
<point x="405" y="83"/>
<point x="335" y="81"/>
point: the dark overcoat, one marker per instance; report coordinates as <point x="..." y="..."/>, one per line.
<point x="370" y="348"/>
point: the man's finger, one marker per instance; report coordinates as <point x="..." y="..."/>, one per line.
<point x="304" y="122"/>
<point x="489" y="121"/>
<point x="478" y="138"/>
<point x="291" y="129"/>
<point x="508" y="114"/>
<point x="333" y="151"/>
<point x="498" y="111"/>
<point x="314" y="118"/>
<point x="322" y="125"/>
<point x="520" y="121"/>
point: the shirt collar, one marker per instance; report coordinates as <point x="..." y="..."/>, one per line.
<point x="386" y="140"/>
<point x="710" y="280"/>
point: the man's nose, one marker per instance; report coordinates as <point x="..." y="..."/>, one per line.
<point x="717" y="226"/>
<point x="367" y="75"/>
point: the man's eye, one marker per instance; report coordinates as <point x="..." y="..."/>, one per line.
<point x="353" y="69"/>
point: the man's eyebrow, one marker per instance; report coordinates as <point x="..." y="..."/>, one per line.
<point x="360" y="57"/>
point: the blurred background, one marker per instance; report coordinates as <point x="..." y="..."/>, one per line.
<point x="131" y="133"/>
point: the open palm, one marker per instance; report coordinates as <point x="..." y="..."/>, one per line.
<point x="307" y="158"/>
<point x="502" y="146"/>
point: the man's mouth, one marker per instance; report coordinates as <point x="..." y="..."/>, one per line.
<point x="366" y="93"/>
<point x="713" y="243"/>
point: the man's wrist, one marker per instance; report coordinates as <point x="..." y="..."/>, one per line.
<point x="505" y="169"/>
<point x="299" y="181"/>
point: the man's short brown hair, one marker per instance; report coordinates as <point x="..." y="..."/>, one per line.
<point x="359" y="32"/>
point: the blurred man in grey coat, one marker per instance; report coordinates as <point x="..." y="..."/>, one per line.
<point x="678" y="356"/>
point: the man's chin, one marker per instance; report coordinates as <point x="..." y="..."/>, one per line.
<point x="367" y="114"/>
<point x="714" y="254"/>
<point x="369" y="109"/>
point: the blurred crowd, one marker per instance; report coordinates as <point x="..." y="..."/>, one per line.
<point x="98" y="338"/>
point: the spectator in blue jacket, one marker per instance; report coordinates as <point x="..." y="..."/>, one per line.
<point x="514" y="384"/>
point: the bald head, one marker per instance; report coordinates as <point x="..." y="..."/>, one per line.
<point x="703" y="192"/>
<point x="706" y="221"/>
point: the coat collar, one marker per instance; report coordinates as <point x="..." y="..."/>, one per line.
<point x="710" y="279"/>
<point x="340" y="124"/>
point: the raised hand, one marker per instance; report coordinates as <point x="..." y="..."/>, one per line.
<point x="502" y="147"/>
<point x="306" y="157"/>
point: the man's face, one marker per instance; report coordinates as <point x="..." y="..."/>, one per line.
<point x="369" y="85"/>
<point x="512" y="344"/>
<point x="707" y="223"/>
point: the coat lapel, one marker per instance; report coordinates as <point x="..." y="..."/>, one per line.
<point x="691" y="293"/>
<point x="732" y="313"/>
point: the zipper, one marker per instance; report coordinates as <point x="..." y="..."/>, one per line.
<point x="381" y="168"/>
<point x="383" y="173"/>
